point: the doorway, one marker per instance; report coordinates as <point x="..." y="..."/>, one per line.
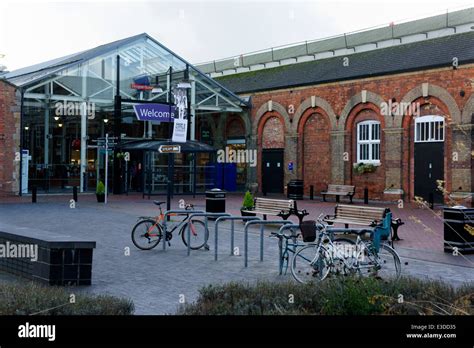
<point x="429" y="157"/>
<point x="272" y="170"/>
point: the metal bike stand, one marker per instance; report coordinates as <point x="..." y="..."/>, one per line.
<point x="232" y="219"/>
<point x="177" y="212"/>
<point x="188" y="236"/>
<point x="261" y="223"/>
<point x="280" y="231"/>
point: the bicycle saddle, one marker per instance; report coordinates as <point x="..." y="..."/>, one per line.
<point x="158" y="202"/>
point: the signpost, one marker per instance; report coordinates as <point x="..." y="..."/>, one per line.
<point x="106" y="145"/>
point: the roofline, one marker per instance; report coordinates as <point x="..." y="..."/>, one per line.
<point x="2" y="79"/>
<point x="198" y="70"/>
<point x="142" y="36"/>
<point x="395" y="72"/>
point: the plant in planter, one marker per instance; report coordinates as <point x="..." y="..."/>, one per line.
<point x="247" y="204"/>
<point x="361" y="168"/>
<point x="100" y="192"/>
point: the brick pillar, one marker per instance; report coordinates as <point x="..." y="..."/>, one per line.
<point x="393" y="138"/>
<point x="337" y="156"/>
<point x="461" y="164"/>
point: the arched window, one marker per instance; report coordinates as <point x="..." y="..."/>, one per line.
<point x="429" y="129"/>
<point x="368" y="142"/>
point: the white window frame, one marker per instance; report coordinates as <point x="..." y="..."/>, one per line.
<point x="369" y="141"/>
<point x="429" y="129"/>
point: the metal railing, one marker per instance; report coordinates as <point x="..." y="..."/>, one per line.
<point x="262" y="223"/>
<point x="206" y="215"/>
<point x="232" y="219"/>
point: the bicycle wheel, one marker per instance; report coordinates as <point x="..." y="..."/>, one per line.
<point x="384" y="265"/>
<point x="199" y="234"/>
<point x="310" y="263"/>
<point x="388" y="263"/>
<point x="146" y="234"/>
<point x="344" y="256"/>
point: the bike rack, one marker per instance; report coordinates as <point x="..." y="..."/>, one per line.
<point x="188" y="233"/>
<point x="280" y="231"/>
<point x="232" y="219"/>
<point x="177" y="212"/>
<point x="261" y="223"/>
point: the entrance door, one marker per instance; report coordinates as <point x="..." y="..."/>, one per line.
<point x="272" y="170"/>
<point x="429" y="157"/>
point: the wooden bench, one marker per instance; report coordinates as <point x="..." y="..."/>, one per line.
<point x="339" y="190"/>
<point x="283" y="208"/>
<point x="380" y="219"/>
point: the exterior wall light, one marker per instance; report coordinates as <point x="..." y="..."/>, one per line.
<point x="106" y="120"/>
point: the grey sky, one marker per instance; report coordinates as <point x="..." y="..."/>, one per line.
<point x="199" y="31"/>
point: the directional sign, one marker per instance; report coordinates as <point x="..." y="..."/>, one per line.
<point x="169" y="149"/>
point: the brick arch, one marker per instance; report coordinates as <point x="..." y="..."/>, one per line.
<point x="314" y="149"/>
<point x="409" y="141"/>
<point x="372" y="98"/>
<point x="261" y="127"/>
<point x="319" y="103"/>
<point x="238" y="128"/>
<point x="433" y="91"/>
<point x="375" y="182"/>
<point x="277" y="109"/>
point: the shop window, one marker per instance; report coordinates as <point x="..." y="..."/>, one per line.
<point x="368" y="142"/>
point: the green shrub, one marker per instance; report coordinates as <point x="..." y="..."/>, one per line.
<point x="336" y="296"/>
<point x="100" y="188"/>
<point x="361" y="168"/>
<point x="31" y="298"/>
<point x="248" y="201"/>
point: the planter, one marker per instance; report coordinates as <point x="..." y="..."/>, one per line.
<point x="100" y="197"/>
<point x="244" y="213"/>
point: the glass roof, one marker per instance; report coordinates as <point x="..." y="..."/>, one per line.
<point x="92" y="75"/>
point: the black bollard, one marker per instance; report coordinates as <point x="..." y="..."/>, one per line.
<point x="33" y="194"/>
<point x="366" y="196"/>
<point x="311" y="192"/>
<point x="431" y="201"/>
<point x="74" y="193"/>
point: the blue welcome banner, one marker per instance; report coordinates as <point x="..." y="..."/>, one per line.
<point x="154" y="112"/>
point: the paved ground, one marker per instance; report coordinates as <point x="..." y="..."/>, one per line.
<point x="156" y="280"/>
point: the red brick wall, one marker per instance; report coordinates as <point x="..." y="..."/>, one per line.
<point x="273" y="136"/>
<point x="8" y="145"/>
<point x="375" y="182"/>
<point x="388" y="87"/>
<point x="315" y="151"/>
<point x="235" y="128"/>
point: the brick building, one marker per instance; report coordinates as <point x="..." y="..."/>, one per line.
<point x="315" y="120"/>
<point x="9" y="139"/>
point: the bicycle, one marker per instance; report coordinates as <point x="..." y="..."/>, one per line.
<point x="148" y="231"/>
<point x="328" y="255"/>
<point x="286" y="247"/>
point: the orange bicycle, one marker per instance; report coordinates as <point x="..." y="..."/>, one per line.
<point x="148" y="231"/>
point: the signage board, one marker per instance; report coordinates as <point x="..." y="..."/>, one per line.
<point x="141" y="87"/>
<point x="180" y="130"/>
<point x="169" y="149"/>
<point x="154" y="112"/>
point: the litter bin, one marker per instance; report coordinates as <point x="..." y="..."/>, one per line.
<point x="215" y="201"/>
<point x="295" y="189"/>
<point x="459" y="229"/>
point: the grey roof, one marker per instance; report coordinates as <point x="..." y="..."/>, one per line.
<point x="396" y="59"/>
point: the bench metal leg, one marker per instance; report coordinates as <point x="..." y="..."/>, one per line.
<point x="324" y="198"/>
<point x="395" y="232"/>
<point x="337" y="198"/>
<point x="350" y="197"/>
